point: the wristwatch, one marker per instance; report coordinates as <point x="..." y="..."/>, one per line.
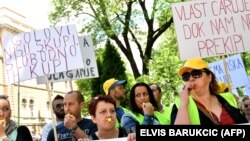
<point x="73" y="130"/>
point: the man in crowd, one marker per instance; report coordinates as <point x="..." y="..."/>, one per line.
<point x="116" y="90"/>
<point x="245" y="107"/>
<point x="57" y="105"/>
<point x="74" y="125"/>
<point x="161" y="112"/>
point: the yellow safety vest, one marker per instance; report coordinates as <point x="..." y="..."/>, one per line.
<point x="125" y="111"/>
<point x="163" y="117"/>
<point x="192" y="108"/>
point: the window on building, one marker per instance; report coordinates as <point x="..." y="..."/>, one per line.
<point x="24" y="107"/>
<point x="31" y="106"/>
<point x="48" y="107"/>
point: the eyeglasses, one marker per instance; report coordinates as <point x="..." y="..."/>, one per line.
<point x="247" y="105"/>
<point x="193" y="73"/>
<point x="59" y="106"/>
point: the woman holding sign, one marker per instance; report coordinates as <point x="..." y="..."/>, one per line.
<point x="200" y="97"/>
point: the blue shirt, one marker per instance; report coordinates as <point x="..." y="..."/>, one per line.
<point x="119" y="113"/>
<point x="65" y="134"/>
<point x="46" y="128"/>
<point x="129" y="122"/>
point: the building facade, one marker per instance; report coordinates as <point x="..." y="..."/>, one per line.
<point x="30" y="103"/>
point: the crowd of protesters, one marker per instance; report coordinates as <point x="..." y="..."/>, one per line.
<point x="201" y="101"/>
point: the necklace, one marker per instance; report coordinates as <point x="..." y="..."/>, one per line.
<point x="206" y="109"/>
<point x="199" y="100"/>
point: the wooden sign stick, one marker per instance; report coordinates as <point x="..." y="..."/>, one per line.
<point x="227" y="74"/>
<point x="50" y="104"/>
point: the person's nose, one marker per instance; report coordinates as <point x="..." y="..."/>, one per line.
<point x="1" y="113"/>
<point x="143" y="97"/>
<point x="109" y="114"/>
<point x="66" y="109"/>
<point x="191" y="78"/>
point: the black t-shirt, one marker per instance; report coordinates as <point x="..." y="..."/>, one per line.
<point x="65" y="134"/>
<point x="122" y="133"/>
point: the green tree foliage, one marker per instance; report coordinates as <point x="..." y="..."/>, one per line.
<point x="246" y="57"/>
<point x="131" y="24"/>
<point x="164" y="67"/>
<point x="110" y="65"/>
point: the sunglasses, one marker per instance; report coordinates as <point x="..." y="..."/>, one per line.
<point x="247" y="105"/>
<point x="59" y="106"/>
<point x="193" y="73"/>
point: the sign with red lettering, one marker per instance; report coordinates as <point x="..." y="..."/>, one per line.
<point x="89" y="70"/>
<point x="212" y="28"/>
<point x="41" y="52"/>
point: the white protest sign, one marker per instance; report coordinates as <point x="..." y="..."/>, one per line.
<point x="246" y="90"/>
<point x="207" y="28"/>
<point x="89" y="70"/>
<point x="236" y="70"/>
<point x="235" y="92"/>
<point x="41" y="52"/>
<point x="114" y="139"/>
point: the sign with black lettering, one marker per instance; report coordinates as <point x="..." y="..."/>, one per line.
<point x="207" y="28"/>
<point x="41" y="52"/>
<point x="236" y="70"/>
<point x="89" y="70"/>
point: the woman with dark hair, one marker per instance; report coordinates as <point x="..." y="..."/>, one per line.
<point x="200" y="102"/>
<point x="142" y="105"/>
<point x="23" y="134"/>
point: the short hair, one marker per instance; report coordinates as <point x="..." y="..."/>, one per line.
<point x="241" y="101"/>
<point x="5" y="97"/>
<point x="79" y="95"/>
<point x="94" y="101"/>
<point x="57" y="97"/>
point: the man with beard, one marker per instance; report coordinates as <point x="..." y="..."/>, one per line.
<point x="115" y="89"/>
<point x="58" y="110"/>
<point x="74" y="126"/>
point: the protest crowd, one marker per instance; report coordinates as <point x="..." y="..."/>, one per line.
<point x="118" y="112"/>
<point x="201" y="101"/>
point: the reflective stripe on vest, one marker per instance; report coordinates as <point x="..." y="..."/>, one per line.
<point x="138" y="117"/>
<point x="163" y="117"/>
<point x="125" y="110"/>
